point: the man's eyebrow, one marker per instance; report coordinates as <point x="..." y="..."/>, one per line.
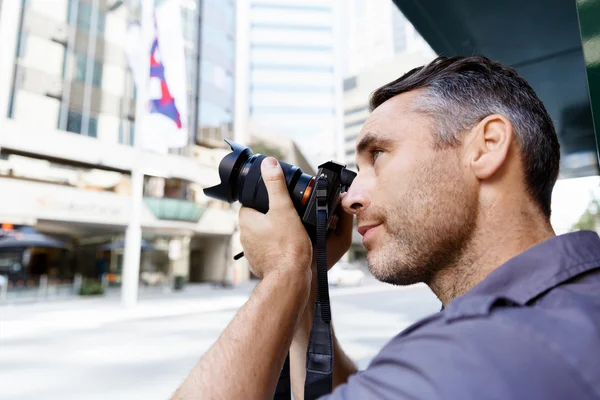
<point x="371" y="140"/>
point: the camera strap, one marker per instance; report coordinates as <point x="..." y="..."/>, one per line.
<point x="319" y="355"/>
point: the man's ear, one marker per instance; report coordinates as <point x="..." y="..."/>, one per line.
<point x="490" y="141"/>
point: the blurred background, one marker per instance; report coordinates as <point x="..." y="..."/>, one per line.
<point x="116" y="272"/>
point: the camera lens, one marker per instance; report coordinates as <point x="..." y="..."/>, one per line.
<point x="241" y="180"/>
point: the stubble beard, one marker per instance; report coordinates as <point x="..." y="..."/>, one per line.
<point x="427" y="231"/>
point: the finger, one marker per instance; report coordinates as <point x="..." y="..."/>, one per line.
<point x="272" y="174"/>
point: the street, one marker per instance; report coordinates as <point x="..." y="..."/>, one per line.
<point x="96" y="350"/>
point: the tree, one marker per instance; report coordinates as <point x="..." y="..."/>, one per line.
<point x="590" y="218"/>
<point x="261" y="147"/>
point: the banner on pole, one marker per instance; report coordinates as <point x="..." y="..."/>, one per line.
<point x="156" y="57"/>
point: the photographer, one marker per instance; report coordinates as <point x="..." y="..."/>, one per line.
<point x="457" y="162"/>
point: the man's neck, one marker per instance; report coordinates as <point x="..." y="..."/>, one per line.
<point x="493" y="243"/>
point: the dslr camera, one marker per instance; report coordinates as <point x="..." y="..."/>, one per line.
<point x="241" y="181"/>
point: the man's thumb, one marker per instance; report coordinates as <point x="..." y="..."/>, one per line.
<point x="272" y="174"/>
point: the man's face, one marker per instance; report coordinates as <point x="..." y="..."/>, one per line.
<point x="420" y="200"/>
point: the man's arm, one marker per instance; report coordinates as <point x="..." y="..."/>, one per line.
<point x="343" y="366"/>
<point x="245" y="361"/>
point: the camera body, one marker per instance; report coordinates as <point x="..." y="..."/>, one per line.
<point x="337" y="182"/>
<point x="241" y="181"/>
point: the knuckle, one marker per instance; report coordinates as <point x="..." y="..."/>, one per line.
<point x="275" y="176"/>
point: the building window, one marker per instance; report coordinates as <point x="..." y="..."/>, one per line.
<point x="351" y="138"/>
<point x="74" y="122"/>
<point x="289" y="67"/>
<point x="126" y="131"/>
<point x="84" y="17"/>
<point x="93" y="127"/>
<point x="287" y="26"/>
<point x="355" y="123"/>
<point x="355" y="110"/>
<point x="293" y="110"/>
<point x="349" y="83"/>
<point x="293" y="7"/>
<point x="81" y="66"/>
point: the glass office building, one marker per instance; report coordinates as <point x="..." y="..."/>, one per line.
<point x="216" y="68"/>
<point x="72" y="69"/>
<point x="295" y="84"/>
<point x="67" y="120"/>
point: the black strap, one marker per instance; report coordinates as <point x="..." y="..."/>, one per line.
<point x="319" y="355"/>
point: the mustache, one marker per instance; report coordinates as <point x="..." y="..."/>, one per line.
<point x="371" y="216"/>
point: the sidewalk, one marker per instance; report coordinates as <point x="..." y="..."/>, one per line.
<point x="30" y="320"/>
<point x="35" y="319"/>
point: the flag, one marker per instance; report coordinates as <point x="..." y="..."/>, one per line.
<point x="155" y="51"/>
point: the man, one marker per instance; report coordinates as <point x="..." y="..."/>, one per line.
<point x="457" y="163"/>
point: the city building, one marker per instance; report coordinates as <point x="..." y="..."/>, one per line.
<point x="381" y="45"/>
<point x="67" y="119"/>
<point x="374" y="31"/>
<point x="294" y="77"/>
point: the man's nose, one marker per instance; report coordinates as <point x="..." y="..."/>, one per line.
<point x="357" y="198"/>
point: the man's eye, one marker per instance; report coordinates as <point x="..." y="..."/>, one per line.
<point x="375" y="154"/>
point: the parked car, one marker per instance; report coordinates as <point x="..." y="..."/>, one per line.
<point x="345" y="274"/>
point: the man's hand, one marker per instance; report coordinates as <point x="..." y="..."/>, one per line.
<point x="277" y="240"/>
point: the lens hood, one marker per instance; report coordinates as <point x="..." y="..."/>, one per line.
<point x="229" y="169"/>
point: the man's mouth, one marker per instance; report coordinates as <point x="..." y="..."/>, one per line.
<point x="363" y="229"/>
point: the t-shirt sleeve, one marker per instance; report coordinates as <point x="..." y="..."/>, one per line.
<point x="470" y="359"/>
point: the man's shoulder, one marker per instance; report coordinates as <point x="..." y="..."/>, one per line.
<point x="486" y="339"/>
<point x="470" y="357"/>
<point x="484" y="346"/>
<point x="495" y="322"/>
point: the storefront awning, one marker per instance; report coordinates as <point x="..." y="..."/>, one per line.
<point x="28" y="237"/>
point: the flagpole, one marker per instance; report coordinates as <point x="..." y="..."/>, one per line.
<point x="133" y="234"/>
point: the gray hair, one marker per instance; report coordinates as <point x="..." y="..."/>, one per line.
<point x="459" y="92"/>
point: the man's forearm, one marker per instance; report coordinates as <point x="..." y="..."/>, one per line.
<point x="343" y="366"/>
<point x="246" y="360"/>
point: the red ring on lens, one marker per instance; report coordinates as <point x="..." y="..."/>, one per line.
<point x="308" y="191"/>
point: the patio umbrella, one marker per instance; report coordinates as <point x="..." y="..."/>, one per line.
<point x="28" y="237"/>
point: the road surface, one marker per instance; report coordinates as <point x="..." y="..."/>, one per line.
<point x="97" y="351"/>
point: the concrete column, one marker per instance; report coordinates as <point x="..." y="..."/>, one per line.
<point x="133" y="234"/>
<point x="179" y="256"/>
